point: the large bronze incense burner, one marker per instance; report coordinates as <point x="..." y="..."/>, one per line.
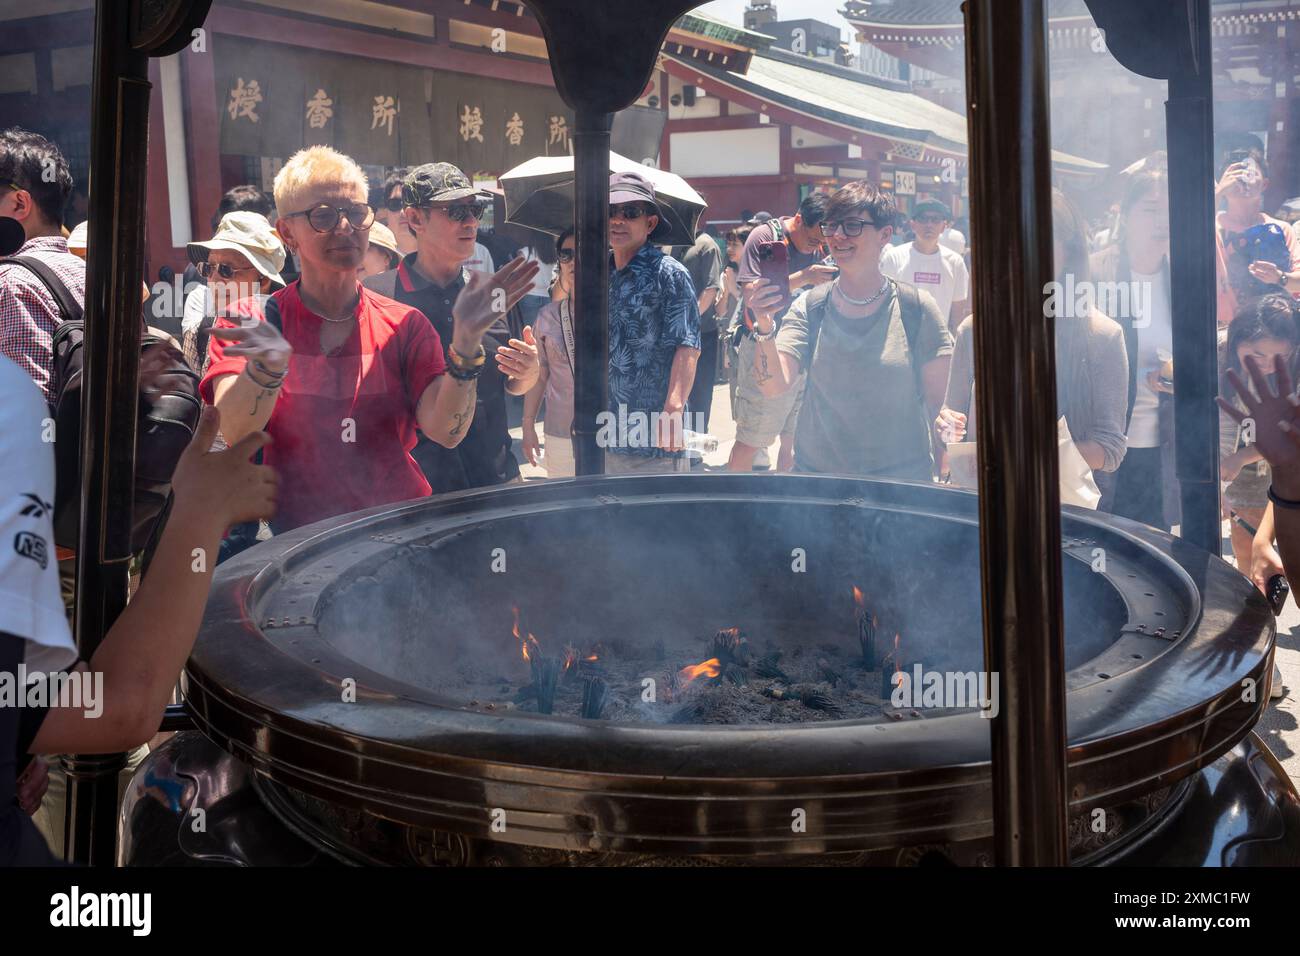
<point x="332" y="664"/>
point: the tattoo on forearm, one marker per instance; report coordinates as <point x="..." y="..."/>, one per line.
<point x="462" y="417"/>
<point x="257" y="399"/>
<point x="763" y="374"/>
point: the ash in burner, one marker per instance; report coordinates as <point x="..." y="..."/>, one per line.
<point x="721" y="678"/>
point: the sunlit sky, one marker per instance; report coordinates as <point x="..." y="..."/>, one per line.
<point x="733" y="11"/>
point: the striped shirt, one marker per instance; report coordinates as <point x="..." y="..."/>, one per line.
<point x="28" y="313"/>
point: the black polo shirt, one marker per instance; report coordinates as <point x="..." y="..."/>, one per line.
<point x="483" y="457"/>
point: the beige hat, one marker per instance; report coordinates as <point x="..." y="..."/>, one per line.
<point x="77" y="238"/>
<point x="248" y="233"/>
<point x="382" y="236"/>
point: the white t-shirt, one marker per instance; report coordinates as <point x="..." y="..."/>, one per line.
<point x="30" y="604"/>
<point x="1155" y="334"/>
<point x="942" y="273"/>
<point x="542" y="283"/>
<point x="953" y="239"/>
<point x="198" y="306"/>
<point x="481" y="261"/>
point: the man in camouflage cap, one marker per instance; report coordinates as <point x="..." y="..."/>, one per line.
<point x="443" y="209"/>
<point x="437" y="183"/>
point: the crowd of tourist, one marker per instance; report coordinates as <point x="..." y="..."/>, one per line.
<point x="351" y="354"/>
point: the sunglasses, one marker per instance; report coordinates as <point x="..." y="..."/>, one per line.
<point x="226" y="271"/>
<point x="851" y="227"/>
<point x="628" y="211"/>
<point x="930" y="219"/>
<point x="463" y="211"/>
<point x="393" y="203"/>
<point x="564" y="255"/>
<point x="324" y="217"/>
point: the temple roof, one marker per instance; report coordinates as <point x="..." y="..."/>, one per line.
<point x="854" y="100"/>
<point x="946" y="14"/>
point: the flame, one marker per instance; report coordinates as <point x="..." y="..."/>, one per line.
<point x="523" y="642"/>
<point x="898" y="666"/>
<point x="858" y="598"/>
<point x="593" y="657"/>
<point x="570" y="656"/>
<point x="710" y="668"/>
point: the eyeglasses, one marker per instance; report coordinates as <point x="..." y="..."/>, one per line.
<point x="226" y="271"/>
<point x="564" y="255"/>
<point x="393" y="203"/>
<point x="930" y="219"/>
<point x="324" y="217"/>
<point x="628" y="211"/>
<point x="851" y="227"/>
<point x="463" y="211"/>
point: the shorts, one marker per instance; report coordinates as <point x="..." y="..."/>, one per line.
<point x="558" y="459"/>
<point x="620" y="464"/>
<point x="760" y="419"/>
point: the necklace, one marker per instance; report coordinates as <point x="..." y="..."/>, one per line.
<point x="346" y="318"/>
<point x="852" y="301"/>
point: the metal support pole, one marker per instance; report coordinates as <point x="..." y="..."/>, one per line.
<point x="1020" y="526"/>
<point x="118" y="165"/>
<point x="1190" y="123"/>
<point x="591" y="279"/>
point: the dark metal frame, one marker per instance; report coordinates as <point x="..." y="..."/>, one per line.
<point x="1005" y="68"/>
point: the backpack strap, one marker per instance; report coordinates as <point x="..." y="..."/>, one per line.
<point x="910" y="313"/>
<point x="69" y="307"/>
<point x="815" y="309"/>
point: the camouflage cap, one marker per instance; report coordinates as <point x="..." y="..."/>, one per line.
<point x="436" y="182"/>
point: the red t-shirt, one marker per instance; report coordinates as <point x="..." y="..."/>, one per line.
<point x="344" y="424"/>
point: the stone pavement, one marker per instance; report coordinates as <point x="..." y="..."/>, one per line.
<point x="1279" y="727"/>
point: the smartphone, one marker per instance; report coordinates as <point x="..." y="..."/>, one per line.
<point x="1276" y="592"/>
<point x="774" y="266"/>
<point x="1252" y="173"/>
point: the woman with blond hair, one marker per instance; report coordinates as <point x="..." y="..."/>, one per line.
<point x="339" y="376"/>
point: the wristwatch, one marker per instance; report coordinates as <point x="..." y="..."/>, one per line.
<point x="764" y="336"/>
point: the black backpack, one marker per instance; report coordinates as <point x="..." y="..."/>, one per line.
<point x="164" y="426"/>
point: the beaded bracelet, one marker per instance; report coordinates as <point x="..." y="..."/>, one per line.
<point x="275" y="376"/>
<point x="464" y="374"/>
<point x="272" y="386"/>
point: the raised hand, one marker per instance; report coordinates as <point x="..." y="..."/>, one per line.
<point x="518" y="359"/>
<point x="1265" y="271"/>
<point x="486" y="298"/>
<point x="258" y="340"/>
<point x="1231" y="176"/>
<point x="1275" y="418"/>
<point x="762" y="298"/>
<point x="225" y="485"/>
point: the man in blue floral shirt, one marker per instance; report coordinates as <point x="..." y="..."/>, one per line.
<point x="654" y="336"/>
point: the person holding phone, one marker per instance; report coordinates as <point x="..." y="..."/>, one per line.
<point x="876" y="352"/>
<point x="787" y="253"/>
<point x="1257" y="254"/>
